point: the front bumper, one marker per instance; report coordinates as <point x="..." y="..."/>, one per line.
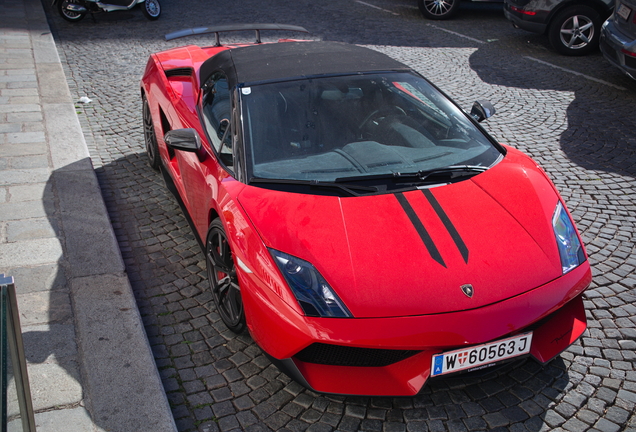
<point x="554" y="312"/>
<point x="612" y="44"/>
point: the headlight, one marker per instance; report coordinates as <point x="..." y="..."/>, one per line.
<point x="570" y="248"/>
<point x="312" y="291"/>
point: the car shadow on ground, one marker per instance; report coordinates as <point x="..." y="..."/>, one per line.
<point x="211" y="375"/>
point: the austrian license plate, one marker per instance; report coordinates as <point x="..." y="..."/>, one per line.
<point x="623" y="11"/>
<point x="475" y="356"/>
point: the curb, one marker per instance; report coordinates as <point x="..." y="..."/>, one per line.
<point x="122" y="388"/>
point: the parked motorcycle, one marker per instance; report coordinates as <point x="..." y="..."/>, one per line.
<point x="75" y="10"/>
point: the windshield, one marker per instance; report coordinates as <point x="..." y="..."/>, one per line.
<point x="330" y="128"/>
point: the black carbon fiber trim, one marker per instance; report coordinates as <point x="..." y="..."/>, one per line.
<point x="338" y="355"/>
<point x="185" y="72"/>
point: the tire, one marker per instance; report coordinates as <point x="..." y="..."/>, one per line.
<point x="68" y="15"/>
<point x="575" y="31"/>
<point x="150" y="139"/>
<point x="223" y="279"/>
<point x="151" y="9"/>
<point x="438" y="9"/>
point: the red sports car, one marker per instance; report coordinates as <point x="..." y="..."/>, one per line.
<point x="367" y="231"/>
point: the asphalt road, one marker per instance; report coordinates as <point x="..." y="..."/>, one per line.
<point x="573" y="115"/>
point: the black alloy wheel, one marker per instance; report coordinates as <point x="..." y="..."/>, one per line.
<point x="575" y="31"/>
<point x="438" y="9"/>
<point x="69" y="15"/>
<point x="223" y="279"/>
<point x="150" y="139"/>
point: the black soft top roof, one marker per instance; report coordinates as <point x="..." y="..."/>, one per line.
<point x="283" y="60"/>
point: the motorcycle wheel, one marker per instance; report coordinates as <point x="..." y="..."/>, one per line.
<point x="151" y="9"/>
<point x="68" y="15"/>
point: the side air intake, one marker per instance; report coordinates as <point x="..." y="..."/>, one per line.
<point x="179" y="72"/>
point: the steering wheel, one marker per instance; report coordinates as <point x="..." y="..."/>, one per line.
<point x="382" y="113"/>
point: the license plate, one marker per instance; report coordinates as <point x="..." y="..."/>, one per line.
<point x="623" y="11"/>
<point x="475" y="356"/>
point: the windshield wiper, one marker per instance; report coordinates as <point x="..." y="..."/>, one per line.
<point x="450" y="172"/>
<point x="348" y="188"/>
<point x="453" y="171"/>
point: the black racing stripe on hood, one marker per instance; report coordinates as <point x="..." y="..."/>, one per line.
<point x="419" y="227"/>
<point x="463" y="249"/>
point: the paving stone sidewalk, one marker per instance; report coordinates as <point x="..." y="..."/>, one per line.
<point x="579" y="130"/>
<point x="88" y="358"/>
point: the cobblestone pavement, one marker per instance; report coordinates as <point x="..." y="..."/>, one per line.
<point x="573" y="115"/>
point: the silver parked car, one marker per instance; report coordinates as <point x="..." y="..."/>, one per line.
<point x="618" y="37"/>
<point x="572" y="26"/>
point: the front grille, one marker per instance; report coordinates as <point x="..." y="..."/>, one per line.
<point x="336" y="355"/>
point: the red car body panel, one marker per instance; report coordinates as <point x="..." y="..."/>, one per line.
<point x="401" y="295"/>
<point x="432" y="334"/>
<point x="357" y="243"/>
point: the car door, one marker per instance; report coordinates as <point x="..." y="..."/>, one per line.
<point x="202" y="172"/>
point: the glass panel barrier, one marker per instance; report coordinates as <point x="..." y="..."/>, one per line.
<point x="15" y="394"/>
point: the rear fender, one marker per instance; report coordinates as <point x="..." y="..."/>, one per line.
<point x="603" y="8"/>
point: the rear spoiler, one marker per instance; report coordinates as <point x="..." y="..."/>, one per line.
<point x="233" y="27"/>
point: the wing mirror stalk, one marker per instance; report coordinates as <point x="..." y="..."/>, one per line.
<point x="482" y="109"/>
<point x="185" y="140"/>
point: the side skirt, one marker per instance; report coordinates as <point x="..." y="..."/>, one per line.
<point x="173" y="189"/>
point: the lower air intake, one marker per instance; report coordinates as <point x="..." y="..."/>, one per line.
<point x="336" y="355"/>
<point x="630" y="61"/>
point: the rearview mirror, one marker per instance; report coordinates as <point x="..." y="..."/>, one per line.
<point x="223" y="125"/>
<point x="482" y="109"/>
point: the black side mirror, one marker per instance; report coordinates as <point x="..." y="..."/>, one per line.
<point x="183" y="139"/>
<point x="482" y="109"/>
